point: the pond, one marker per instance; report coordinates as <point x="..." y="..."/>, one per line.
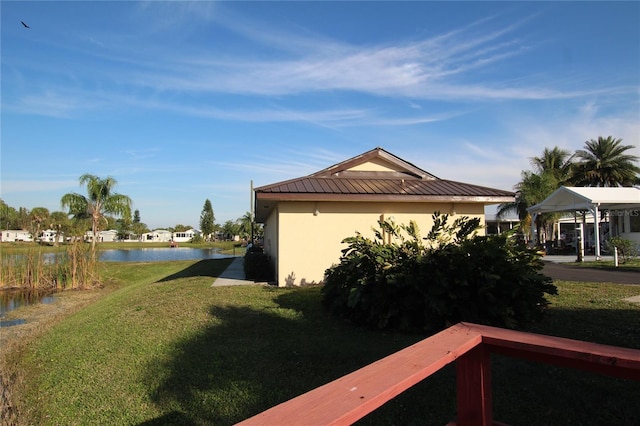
<point x="10" y="300"/>
<point x="159" y="254"/>
<point x="13" y="299"/>
<point x="151" y="254"/>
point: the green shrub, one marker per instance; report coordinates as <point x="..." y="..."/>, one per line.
<point x="627" y="249"/>
<point x="257" y="265"/>
<point x="197" y="239"/>
<point x="455" y="275"/>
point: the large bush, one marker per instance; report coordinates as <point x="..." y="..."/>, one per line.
<point x="257" y="265"/>
<point x="399" y="280"/>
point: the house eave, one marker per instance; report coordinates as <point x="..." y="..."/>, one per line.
<point x="381" y="198"/>
<point x="265" y="202"/>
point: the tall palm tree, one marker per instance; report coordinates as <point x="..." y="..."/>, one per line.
<point x="605" y="162"/>
<point x="246" y="222"/>
<point x="97" y="204"/>
<point x="556" y="161"/>
<point x="532" y="189"/>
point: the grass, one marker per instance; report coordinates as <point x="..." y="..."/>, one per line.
<point x="630" y="265"/>
<point x="164" y="347"/>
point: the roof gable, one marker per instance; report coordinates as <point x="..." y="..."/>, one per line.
<point x="377" y="162"/>
<point x="375" y="176"/>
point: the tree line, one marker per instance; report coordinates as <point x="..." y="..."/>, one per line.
<point x="102" y="208"/>
<point x="602" y="162"/>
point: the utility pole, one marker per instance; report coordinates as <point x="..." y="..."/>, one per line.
<point x="251" y="210"/>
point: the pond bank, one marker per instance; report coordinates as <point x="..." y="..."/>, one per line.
<point x="34" y="321"/>
<point x="40" y="316"/>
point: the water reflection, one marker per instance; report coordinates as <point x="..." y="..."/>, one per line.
<point x="13" y="299"/>
<point x="158" y="254"/>
<point x="9" y="323"/>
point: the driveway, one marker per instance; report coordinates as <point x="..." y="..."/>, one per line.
<point x="559" y="271"/>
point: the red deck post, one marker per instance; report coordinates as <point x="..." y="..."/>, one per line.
<point x="473" y="377"/>
<point x="351" y="397"/>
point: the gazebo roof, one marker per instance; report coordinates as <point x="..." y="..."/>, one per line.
<point x="568" y="198"/>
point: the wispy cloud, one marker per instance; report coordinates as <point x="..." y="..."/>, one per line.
<point x="442" y="67"/>
<point x="11" y="186"/>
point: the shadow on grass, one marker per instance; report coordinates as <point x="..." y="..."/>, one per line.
<point x="203" y="268"/>
<point x="552" y="395"/>
<point x="255" y="358"/>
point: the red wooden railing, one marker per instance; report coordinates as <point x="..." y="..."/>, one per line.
<point x="351" y="397"/>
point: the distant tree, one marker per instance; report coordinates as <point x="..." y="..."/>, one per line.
<point x="136" y="216"/>
<point x="99" y="202"/>
<point x="8" y="216"/>
<point x="60" y="223"/>
<point x="245" y="223"/>
<point x="181" y="228"/>
<point x="22" y="218"/>
<point x="230" y="229"/>
<point x="605" y="162"/>
<point x="123" y="226"/>
<point x="139" y="228"/>
<point x="207" y="220"/>
<point x="38" y="220"/>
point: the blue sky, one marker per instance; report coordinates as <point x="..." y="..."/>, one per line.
<point x="181" y="101"/>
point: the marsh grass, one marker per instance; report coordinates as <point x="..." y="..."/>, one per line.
<point x="165" y="347"/>
<point x="39" y="267"/>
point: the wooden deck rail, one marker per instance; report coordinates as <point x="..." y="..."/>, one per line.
<point x="351" y="397"/>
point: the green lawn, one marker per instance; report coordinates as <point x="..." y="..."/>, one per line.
<point x="629" y="265"/>
<point x="167" y="348"/>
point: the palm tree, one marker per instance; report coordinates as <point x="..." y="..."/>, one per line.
<point x="604" y="162"/>
<point x="556" y="161"/>
<point x="100" y="201"/>
<point x="245" y="225"/>
<point x="532" y="189"/>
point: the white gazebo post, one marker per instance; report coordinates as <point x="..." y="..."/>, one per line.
<point x="580" y="241"/>
<point x="596" y="229"/>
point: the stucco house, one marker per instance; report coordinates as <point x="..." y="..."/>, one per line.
<point x="306" y="219"/>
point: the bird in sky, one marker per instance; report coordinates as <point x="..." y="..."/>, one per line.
<point x="25" y="25"/>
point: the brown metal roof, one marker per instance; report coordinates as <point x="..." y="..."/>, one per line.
<point x="342" y="186"/>
<point x="404" y="183"/>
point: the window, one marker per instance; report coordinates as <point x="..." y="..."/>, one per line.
<point x="634" y="220"/>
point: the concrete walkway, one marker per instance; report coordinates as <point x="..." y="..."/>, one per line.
<point x="233" y="275"/>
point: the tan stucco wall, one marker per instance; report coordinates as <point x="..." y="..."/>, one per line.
<point x="309" y="243"/>
<point x="375" y="165"/>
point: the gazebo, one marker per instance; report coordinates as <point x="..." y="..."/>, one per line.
<point x="588" y="199"/>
